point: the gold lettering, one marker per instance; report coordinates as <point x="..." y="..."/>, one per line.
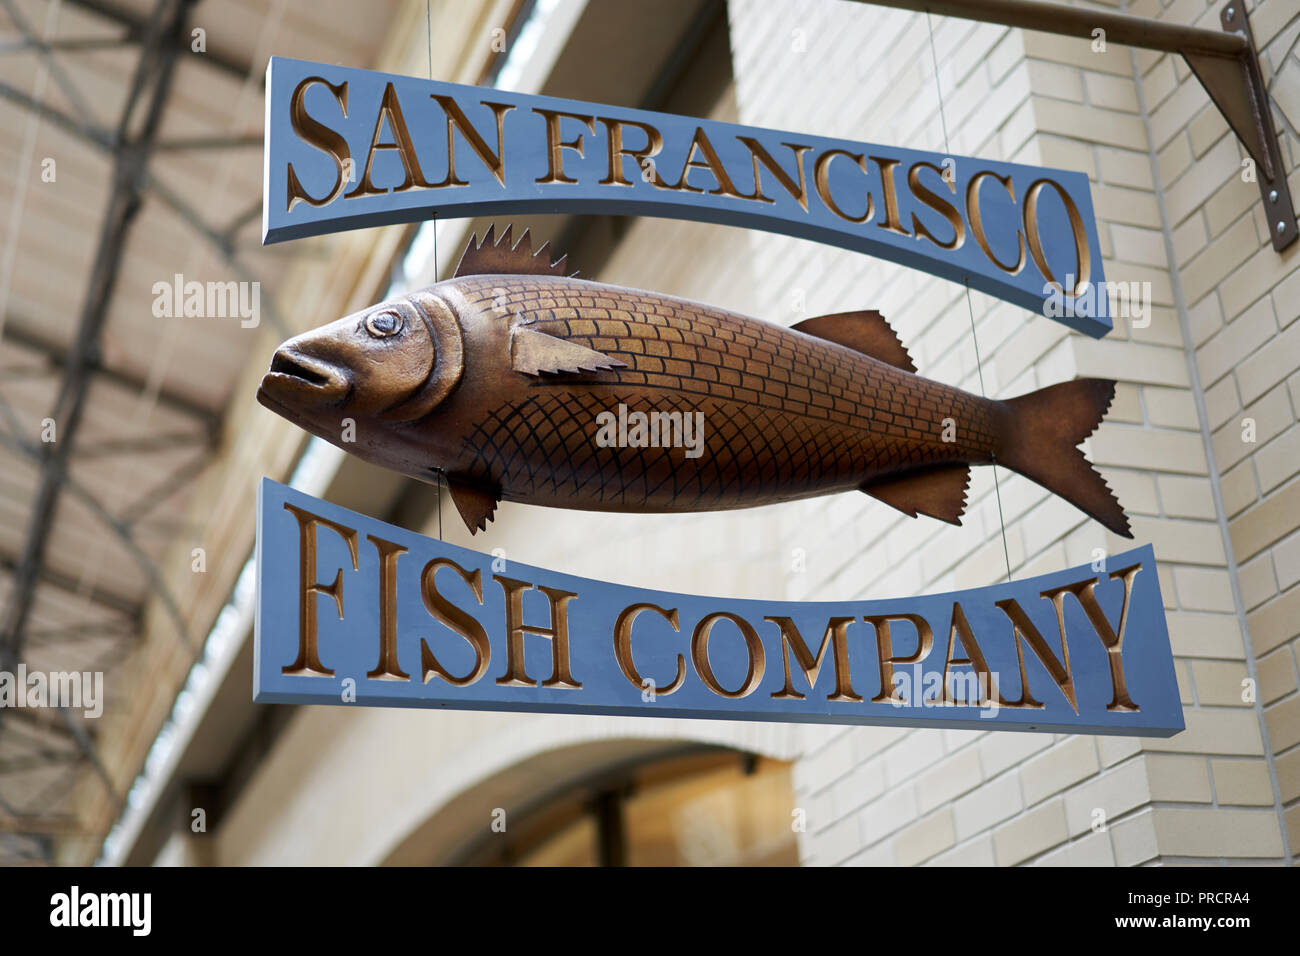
<point x="939" y="204"/>
<point x="700" y="142"/>
<point x="754" y="653"/>
<point x="885" y="648"/>
<point x="977" y="220"/>
<point x="1082" y="255"/>
<point x="834" y="639"/>
<point x="308" y="662"/>
<point x="891" y="196"/>
<point x="758" y="155"/>
<point x="391" y="110"/>
<point x="1112" y="641"/>
<point x="387" y="668"/>
<point x="557" y="634"/>
<point x="456" y="619"/>
<point x="457" y="120"/>
<point x="1022" y="626"/>
<point x="822" y="179"/>
<point x="974" y="657"/>
<point x="555" y="146"/>
<point x="328" y="141"/>
<point x="623" y="646"/>
<point x="614" y="134"/>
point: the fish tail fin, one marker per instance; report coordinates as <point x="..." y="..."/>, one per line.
<point x="1044" y="429"/>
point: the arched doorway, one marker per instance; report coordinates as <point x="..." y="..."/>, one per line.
<point x="598" y="805"/>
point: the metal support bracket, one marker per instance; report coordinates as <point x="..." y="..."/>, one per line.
<point x="1225" y="61"/>
<point x="1236" y="86"/>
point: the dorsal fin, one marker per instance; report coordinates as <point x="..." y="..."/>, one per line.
<point x="866" y="332"/>
<point x="498" y="257"/>
<point x="533" y="353"/>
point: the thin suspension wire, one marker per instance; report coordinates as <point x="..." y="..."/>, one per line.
<point x="428" y="33"/>
<point x="436" y="276"/>
<point x="970" y="308"/>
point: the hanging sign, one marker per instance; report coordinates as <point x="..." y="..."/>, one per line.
<point x="348" y="148"/>
<point x="351" y="610"/>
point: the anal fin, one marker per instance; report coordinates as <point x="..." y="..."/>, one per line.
<point x="866" y="332"/>
<point x="475" y="503"/>
<point x="939" y="492"/>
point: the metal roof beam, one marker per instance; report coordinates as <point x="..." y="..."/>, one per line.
<point x="106" y="629"/>
<point x="121" y="528"/>
<point x="70" y="585"/>
<point x="21" y="332"/>
<point x="223" y="242"/>
<point x="93" y="133"/>
<point x="61" y="79"/>
<point x="136" y="27"/>
<point x="143" y="444"/>
<point x="66" y="45"/>
<point x="160" y="493"/>
<point x="40" y="759"/>
<point x="48" y="826"/>
<point x="42" y="719"/>
<point x="233" y="141"/>
<point x="152" y="80"/>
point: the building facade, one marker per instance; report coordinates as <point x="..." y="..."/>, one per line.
<point x="1201" y="445"/>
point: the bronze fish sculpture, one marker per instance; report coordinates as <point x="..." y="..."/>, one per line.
<point x="515" y="381"/>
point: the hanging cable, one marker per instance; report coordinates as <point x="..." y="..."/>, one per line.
<point x="970" y="308"/>
<point x="428" y="33"/>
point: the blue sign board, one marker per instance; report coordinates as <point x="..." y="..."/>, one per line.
<point x="347" y="148"/>
<point x="354" y="611"/>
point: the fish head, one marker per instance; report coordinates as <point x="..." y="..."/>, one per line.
<point x="383" y="368"/>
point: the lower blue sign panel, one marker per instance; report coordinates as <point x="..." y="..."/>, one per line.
<point x="354" y="611"/>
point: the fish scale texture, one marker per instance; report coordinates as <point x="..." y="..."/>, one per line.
<point x="786" y="415"/>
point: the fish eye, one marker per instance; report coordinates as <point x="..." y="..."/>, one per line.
<point x="383" y="324"/>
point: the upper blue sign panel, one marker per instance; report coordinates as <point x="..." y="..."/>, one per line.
<point x="348" y="148"/>
<point x="351" y="610"/>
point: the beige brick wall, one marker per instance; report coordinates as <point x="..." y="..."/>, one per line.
<point x="1164" y="184"/>
<point x="1242" y="300"/>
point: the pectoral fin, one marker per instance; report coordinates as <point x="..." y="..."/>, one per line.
<point x="533" y="352"/>
<point x="938" y="492"/>
<point x="475" y="503"/>
<point x="865" y="332"/>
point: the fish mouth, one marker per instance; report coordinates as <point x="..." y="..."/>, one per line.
<point x="295" y="375"/>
